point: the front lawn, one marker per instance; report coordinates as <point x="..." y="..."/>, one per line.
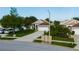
<point x="22" y="33"/>
<point x="63" y="39"/>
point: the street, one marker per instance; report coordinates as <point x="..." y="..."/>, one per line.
<point x="29" y="46"/>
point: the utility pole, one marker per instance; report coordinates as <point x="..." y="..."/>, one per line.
<point x="49" y="25"/>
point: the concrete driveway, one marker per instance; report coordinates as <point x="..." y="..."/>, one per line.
<point x="31" y="37"/>
<point x="29" y="46"/>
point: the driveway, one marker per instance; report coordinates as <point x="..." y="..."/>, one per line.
<point x="29" y="46"/>
<point x="31" y="37"/>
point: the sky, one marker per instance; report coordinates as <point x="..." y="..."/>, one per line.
<point x="56" y="13"/>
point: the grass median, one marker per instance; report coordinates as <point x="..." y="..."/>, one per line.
<point x="71" y="45"/>
<point x="63" y="39"/>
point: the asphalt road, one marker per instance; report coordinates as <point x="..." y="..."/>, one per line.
<point x="29" y="46"/>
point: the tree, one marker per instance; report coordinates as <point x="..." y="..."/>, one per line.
<point x="29" y="20"/>
<point x="33" y="19"/>
<point x="76" y="18"/>
<point x="13" y="11"/>
<point x="11" y="20"/>
<point x="60" y="30"/>
<point x="47" y="19"/>
<point x="56" y="23"/>
<point x="6" y="21"/>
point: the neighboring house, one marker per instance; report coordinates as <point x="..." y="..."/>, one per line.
<point x="72" y="24"/>
<point x="41" y="25"/>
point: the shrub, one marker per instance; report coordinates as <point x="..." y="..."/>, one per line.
<point x="73" y="32"/>
<point x="39" y="37"/>
<point x="46" y="33"/>
<point x="39" y="41"/>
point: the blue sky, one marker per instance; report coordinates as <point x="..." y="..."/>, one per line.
<point x="57" y="13"/>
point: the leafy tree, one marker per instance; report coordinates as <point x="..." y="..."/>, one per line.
<point x="59" y="30"/>
<point x="29" y="20"/>
<point x="32" y="19"/>
<point x="47" y="19"/>
<point x="10" y="21"/>
<point x="76" y="18"/>
<point x="56" y="23"/>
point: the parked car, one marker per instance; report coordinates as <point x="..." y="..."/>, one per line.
<point x="1" y="31"/>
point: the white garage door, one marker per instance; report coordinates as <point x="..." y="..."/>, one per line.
<point x="76" y="31"/>
<point x="43" y="28"/>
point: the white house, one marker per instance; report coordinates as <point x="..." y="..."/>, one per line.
<point x="72" y="24"/>
<point x="41" y="25"/>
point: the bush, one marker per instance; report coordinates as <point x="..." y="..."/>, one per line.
<point x="46" y="33"/>
<point x="39" y="37"/>
<point x="63" y="39"/>
<point x="73" y="32"/>
<point x="64" y="44"/>
<point x="39" y="41"/>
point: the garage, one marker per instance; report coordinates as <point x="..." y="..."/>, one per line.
<point x="43" y="28"/>
<point x="41" y="25"/>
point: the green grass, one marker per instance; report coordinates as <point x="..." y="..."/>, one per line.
<point x="22" y="33"/>
<point x="64" y="44"/>
<point x="4" y="38"/>
<point x="63" y="39"/>
<point x="39" y="41"/>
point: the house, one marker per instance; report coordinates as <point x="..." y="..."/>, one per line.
<point x="41" y="25"/>
<point x="72" y="24"/>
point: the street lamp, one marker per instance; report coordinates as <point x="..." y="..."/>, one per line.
<point x="49" y="23"/>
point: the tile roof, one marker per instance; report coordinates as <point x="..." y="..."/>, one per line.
<point x="41" y="22"/>
<point x="71" y="22"/>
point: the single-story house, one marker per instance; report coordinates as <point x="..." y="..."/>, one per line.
<point x="41" y="25"/>
<point x="72" y="24"/>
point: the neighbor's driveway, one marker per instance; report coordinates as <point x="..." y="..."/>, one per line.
<point x="31" y="37"/>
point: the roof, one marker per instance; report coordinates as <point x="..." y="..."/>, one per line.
<point x="41" y="22"/>
<point x="76" y="25"/>
<point x="71" y="22"/>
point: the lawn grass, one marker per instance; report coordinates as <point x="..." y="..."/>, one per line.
<point x="63" y="39"/>
<point x="64" y="44"/>
<point x="4" y="38"/>
<point x="22" y="33"/>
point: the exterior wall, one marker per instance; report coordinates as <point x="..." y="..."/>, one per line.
<point x="43" y="28"/>
<point x="76" y="29"/>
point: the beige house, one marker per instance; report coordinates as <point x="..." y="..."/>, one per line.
<point x="72" y="24"/>
<point x="41" y="25"/>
